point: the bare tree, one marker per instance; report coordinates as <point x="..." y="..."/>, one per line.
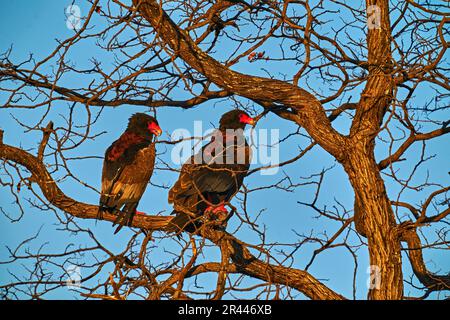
<point x="377" y="61"/>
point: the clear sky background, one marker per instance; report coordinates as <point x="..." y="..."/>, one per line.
<point x="34" y="26"/>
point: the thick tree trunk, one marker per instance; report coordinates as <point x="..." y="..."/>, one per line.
<point x="375" y="219"/>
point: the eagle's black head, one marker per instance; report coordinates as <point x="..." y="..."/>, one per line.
<point x="144" y="125"/>
<point x="235" y="119"/>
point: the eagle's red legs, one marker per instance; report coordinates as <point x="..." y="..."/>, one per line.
<point x="217" y="208"/>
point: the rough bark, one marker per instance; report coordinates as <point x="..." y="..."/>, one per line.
<point x="373" y="213"/>
<point x="307" y="110"/>
<point x="432" y="282"/>
<point x="375" y="217"/>
<point x="242" y="260"/>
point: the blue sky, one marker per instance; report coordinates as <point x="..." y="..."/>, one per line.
<point x="32" y="27"/>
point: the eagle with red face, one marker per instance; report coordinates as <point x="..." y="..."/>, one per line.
<point x="127" y="168"/>
<point x="211" y="178"/>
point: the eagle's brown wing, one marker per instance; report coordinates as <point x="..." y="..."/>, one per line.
<point x="203" y="184"/>
<point x="125" y="178"/>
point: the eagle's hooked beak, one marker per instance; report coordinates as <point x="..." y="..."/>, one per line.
<point x="155" y="129"/>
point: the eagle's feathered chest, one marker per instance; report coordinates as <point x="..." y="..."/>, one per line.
<point x="217" y="171"/>
<point x="225" y="151"/>
<point x="125" y="143"/>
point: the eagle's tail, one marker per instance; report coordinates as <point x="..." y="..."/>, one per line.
<point x="125" y="216"/>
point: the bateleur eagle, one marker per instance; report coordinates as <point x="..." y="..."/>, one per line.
<point x="211" y="178"/>
<point x="127" y="168"/>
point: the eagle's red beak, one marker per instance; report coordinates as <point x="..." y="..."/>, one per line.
<point x="246" y="119"/>
<point x="154" y="128"/>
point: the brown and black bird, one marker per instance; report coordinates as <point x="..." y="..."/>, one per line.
<point x="127" y="168"/>
<point x="211" y="178"/>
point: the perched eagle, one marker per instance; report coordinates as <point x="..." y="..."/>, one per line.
<point x="211" y="178"/>
<point x="127" y="168"/>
